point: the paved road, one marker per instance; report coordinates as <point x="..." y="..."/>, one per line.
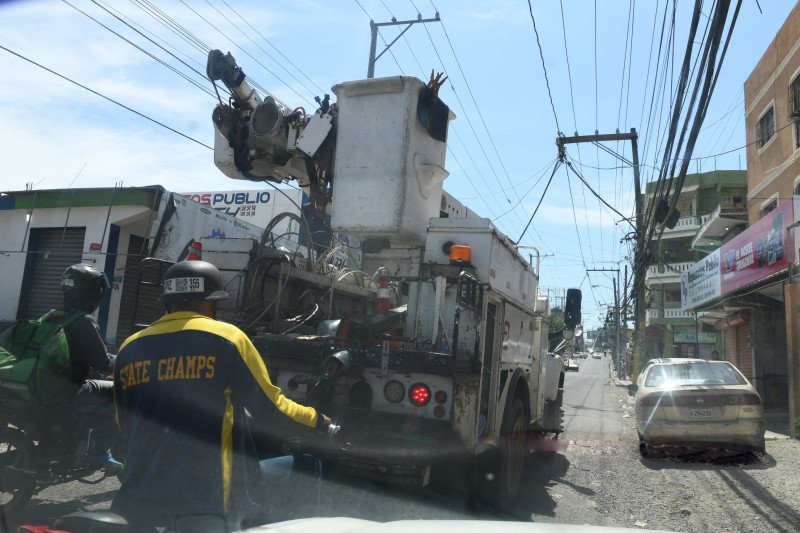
<point x="596" y="476"/>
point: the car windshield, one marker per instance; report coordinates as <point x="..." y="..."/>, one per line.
<point x="400" y="259"/>
<point x="688" y="374"/>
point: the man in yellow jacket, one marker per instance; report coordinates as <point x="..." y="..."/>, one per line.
<point x="181" y="387"/>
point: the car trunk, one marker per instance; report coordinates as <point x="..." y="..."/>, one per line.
<point x="713" y="403"/>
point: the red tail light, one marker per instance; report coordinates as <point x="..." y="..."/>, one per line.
<point x="750" y="399"/>
<point x="419" y="394"/>
<point x="440" y="397"/>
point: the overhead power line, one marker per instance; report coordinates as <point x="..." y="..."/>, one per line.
<point x="474" y="101"/>
<point x="101" y="95"/>
<point x="194" y="82"/>
<point x="547" y="186"/>
<point x="320" y="89"/>
<point x="580" y="177"/>
<point x="544" y="68"/>
<point x="251" y="56"/>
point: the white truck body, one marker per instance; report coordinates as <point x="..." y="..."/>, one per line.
<point x="459" y="362"/>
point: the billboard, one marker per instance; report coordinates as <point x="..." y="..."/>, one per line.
<point x="257" y="207"/>
<point x="182" y="222"/>
<point x="702" y="282"/>
<point x="759" y="251"/>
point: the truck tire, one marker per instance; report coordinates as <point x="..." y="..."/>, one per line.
<point x="16" y="449"/>
<point x="513" y="451"/>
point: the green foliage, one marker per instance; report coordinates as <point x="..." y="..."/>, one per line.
<point x="556" y="322"/>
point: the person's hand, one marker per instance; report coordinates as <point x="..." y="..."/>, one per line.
<point x="326" y="421"/>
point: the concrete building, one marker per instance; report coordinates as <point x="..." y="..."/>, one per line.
<point x="712" y="206"/>
<point x="772" y="122"/>
<point x="45" y="231"/>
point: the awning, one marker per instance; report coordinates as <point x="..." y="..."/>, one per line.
<point x="766" y="293"/>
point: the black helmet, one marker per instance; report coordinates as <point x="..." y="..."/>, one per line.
<point x="83" y="287"/>
<point x="192" y="281"/>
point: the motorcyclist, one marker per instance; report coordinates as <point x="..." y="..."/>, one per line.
<point x="83" y="287"/>
<point x="184" y="388"/>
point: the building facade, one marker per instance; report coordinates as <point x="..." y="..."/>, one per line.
<point x="772" y="122"/>
<point x="707" y="200"/>
<point x="131" y="234"/>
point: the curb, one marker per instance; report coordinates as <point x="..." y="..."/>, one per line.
<point x="771" y="435"/>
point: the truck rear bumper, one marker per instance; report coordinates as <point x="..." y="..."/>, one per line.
<point x="405" y="459"/>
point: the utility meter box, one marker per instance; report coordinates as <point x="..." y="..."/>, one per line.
<point x="389" y="165"/>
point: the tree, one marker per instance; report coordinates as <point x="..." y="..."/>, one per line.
<point x="556" y="320"/>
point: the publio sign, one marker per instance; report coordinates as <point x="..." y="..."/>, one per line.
<point x="701" y="283"/>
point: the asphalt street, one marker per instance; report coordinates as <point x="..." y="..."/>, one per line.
<point x="592" y="475"/>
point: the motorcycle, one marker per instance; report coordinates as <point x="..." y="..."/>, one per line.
<point x="45" y="445"/>
<point x="275" y="469"/>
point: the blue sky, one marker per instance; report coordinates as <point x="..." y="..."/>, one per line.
<point x="54" y="129"/>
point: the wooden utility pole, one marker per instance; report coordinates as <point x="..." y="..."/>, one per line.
<point x="639" y="257"/>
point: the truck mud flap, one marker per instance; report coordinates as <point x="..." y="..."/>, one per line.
<point x="410" y="475"/>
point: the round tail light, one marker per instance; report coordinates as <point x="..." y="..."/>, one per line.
<point x="394" y="391"/>
<point x="440" y="396"/>
<point x="439" y="411"/>
<point x="419" y="394"/>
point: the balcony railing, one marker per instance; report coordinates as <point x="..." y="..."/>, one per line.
<point x="662" y="270"/>
<point x="688" y="223"/>
<point x="677" y="313"/>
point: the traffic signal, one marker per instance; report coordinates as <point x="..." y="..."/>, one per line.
<point x="572" y="309"/>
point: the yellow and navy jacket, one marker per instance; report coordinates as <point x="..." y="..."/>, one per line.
<point x="180" y="389"/>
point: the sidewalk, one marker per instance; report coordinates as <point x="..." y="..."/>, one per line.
<point x="777" y="424"/>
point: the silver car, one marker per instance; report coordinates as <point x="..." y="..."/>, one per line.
<point x="698" y="403"/>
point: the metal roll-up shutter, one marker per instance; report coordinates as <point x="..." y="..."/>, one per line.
<point x="745" y="351"/>
<point x="731" y="351"/>
<point x="146" y="308"/>
<point x="52" y="257"/>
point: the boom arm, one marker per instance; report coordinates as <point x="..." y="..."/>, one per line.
<point x="262" y="140"/>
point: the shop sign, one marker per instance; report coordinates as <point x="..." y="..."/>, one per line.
<point x="759" y="251"/>
<point x="701" y="283"/>
<point x="255" y="207"/>
<point x="706" y="337"/>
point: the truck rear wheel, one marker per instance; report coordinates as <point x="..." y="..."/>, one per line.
<point x="515" y="427"/>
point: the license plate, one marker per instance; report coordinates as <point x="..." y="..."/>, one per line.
<point x="701" y="413"/>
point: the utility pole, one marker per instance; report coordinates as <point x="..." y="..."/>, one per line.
<point x="639" y="264"/>
<point x="625" y="300"/>
<point x="373" y="26"/>
<point x="639" y="257"/>
<point x="616" y="327"/>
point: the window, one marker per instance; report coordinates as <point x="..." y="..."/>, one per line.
<point x="730" y="200"/>
<point x="794" y="99"/>
<point x="796" y="129"/>
<point x="692" y="374"/>
<point x="766" y="127"/>
<point x="768" y="207"/>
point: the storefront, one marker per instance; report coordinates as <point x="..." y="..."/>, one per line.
<point x="738" y="291"/>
